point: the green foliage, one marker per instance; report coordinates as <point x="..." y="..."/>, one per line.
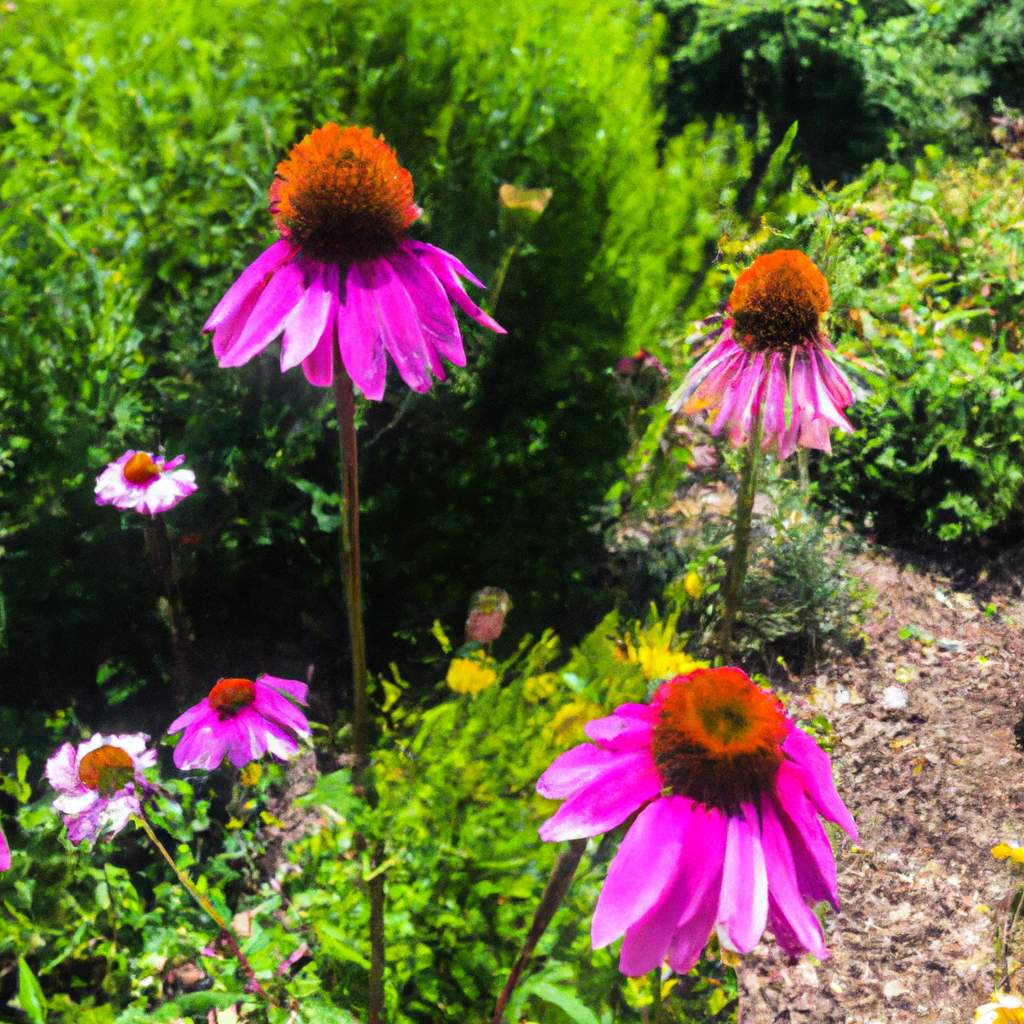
<point x="896" y="73"/>
<point x="136" y="146"/>
<point x="925" y="267"/>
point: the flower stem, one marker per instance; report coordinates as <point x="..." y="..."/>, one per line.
<point x="253" y="984"/>
<point x="160" y="554"/>
<point x="351" y="574"/>
<point x="733" y="589"/>
<point x="558" y="885"/>
<point x="351" y="570"/>
<point x="494" y="292"/>
<point x="656" y="994"/>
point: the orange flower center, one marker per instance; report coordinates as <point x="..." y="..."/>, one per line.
<point x="719" y="738"/>
<point x="106" y="770"/>
<point x="140" y="469"/>
<point x="778" y="301"/>
<point x="229" y="696"/>
<point x="342" y="196"/>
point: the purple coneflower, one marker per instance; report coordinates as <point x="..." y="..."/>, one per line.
<point x="242" y="719"/>
<point x="145" y="483"/>
<point x="99" y="783"/>
<point x="344" y="279"/>
<point x="727" y="836"/>
<point x="770" y="360"/>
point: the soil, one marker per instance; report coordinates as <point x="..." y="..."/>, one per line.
<point x="933" y="786"/>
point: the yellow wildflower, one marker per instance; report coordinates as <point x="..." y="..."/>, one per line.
<point x="251" y="774"/>
<point x="1004" y="1009"/>
<point x="539" y="688"/>
<point x="471" y="675"/>
<point x="659" y="661"/>
<point x="693" y="584"/>
<point x="1003" y="852"/>
<point x="567" y="725"/>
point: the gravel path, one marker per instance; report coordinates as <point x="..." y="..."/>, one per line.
<point x="933" y="786"/>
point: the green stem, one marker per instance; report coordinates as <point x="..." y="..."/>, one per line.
<point x="494" y="292"/>
<point x="743" y="520"/>
<point x="160" y="554"/>
<point x="351" y="574"/>
<point x="558" y="885"/>
<point x="656" y="994"/>
<point x="225" y="929"/>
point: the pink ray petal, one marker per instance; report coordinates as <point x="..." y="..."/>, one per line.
<point x="305" y="325"/>
<point x="250" y="280"/>
<point x="743" y="906"/>
<point x="818" y="783"/>
<point x="362" y="348"/>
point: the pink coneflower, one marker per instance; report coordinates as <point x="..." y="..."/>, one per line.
<point x="343" y="276"/>
<point x="242" y="719"/>
<point x="5" y="853"/>
<point x="770" y="358"/>
<point x="145" y="483"/>
<point x="99" y="784"/>
<point x="727" y="836"/>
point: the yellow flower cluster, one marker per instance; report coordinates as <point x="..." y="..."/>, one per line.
<point x="538" y="688"/>
<point x="1004" y="1009"/>
<point x="658" y="660"/>
<point x="1004" y="852"/>
<point x="567" y="725"/>
<point x="471" y="675"/>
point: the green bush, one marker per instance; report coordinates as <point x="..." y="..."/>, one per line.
<point x="925" y="269"/>
<point x="897" y="73"/>
<point x="136" y="145"/>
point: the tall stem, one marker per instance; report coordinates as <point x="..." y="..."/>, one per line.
<point x="558" y="885"/>
<point x="160" y="553"/>
<point x="733" y="589"/>
<point x="351" y="570"/>
<point x="351" y="574"/>
<point x="225" y="929"/>
<point x="494" y="292"/>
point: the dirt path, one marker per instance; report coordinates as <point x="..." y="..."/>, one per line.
<point x="933" y="786"/>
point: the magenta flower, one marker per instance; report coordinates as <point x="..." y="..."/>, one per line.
<point x="770" y="358"/>
<point x="344" y="280"/>
<point x="242" y="719"/>
<point x="145" y="483"/>
<point x="99" y="784"/>
<point x="727" y="837"/>
<point x="5" y="853"/>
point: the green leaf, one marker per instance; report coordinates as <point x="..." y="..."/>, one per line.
<point x="30" y="994"/>
<point x="566" y="1001"/>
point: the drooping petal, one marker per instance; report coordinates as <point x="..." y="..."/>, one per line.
<point x="5" y="853"/>
<point x="305" y="325"/>
<point x="743" y="906"/>
<point x="819" y="786"/>
<point x="812" y="853"/>
<point x="620" y="732"/>
<point x="643" y="870"/>
<point x="362" y="350"/>
<point x="607" y="802"/>
<point x="197" y="715"/>
<point x="649" y="940"/>
<point x="292" y="687"/>
<point x="279" y="709"/>
<point x="782" y="883"/>
<point x="705" y="855"/>
<point x="576" y="769"/>
<point x="438" y="322"/>
<point x="318" y="366"/>
<point x="272" y="310"/>
<point x="395" y="323"/>
<point x="250" y="280"/>
<point x="445" y="268"/>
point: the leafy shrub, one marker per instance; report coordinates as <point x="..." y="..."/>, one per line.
<point x="903" y="73"/>
<point x="925" y="266"/>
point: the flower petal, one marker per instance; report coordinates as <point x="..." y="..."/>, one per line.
<point x="269" y="315"/>
<point x="318" y="366"/>
<point x="818" y="784"/>
<point x="643" y="870"/>
<point x="743" y="906"/>
<point x="606" y="802"/>
<point x="620" y="732"/>
<point x="576" y="769"/>
<point x="251" y="279"/>
<point x="305" y="325"/>
<point x="362" y="349"/>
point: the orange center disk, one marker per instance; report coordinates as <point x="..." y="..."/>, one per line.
<point x="778" y="301"/>
<point x="229" y="696"/>
<point x="140" y="469"/>
<point x="719" y="738"/>
<point x="342" y="196"/>
<point x="106" y="770"/>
